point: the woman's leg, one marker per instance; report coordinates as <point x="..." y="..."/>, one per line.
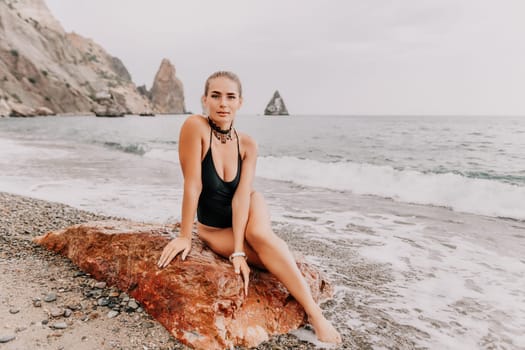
<point x="220" y="240"/>
<point x="277" y="258"/>
<point x="265" y="249"/>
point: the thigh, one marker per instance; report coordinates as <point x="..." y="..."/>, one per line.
<point x="258" y="227"/>
<point x="259" y="216"/>
<point x="221" y="242"/>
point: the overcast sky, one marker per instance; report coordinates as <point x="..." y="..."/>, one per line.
<point x="324" y="57"/>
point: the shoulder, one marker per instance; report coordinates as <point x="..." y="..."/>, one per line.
<point x="195" y="120"/>
<point x="248" y="144"/>
<point x="194" y="123"/>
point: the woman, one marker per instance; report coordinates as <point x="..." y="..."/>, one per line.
<point x="218" y="165"/>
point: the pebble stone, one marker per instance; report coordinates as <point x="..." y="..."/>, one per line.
<point x="103" y="301"/>
<point x="133" y="305"/>
<point x="57" y="312"/>
<point x="50" y="297"/>
<point x="59" y="325"/>
<point x="14" y="311"/>
<point x="112" y="314"/>
<point x="37" y="302"/>
<point x="100" y="285"/>
<point x="67" y="312"/>
<point x="147" y="324"/>
<point x="7" y="338"/>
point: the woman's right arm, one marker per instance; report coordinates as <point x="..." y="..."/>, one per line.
<point x="190" y="150"/>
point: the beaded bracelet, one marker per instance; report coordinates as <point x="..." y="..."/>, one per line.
<point x="236" y="254"/>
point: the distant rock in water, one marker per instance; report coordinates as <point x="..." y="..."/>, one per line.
<point x="47" y="70"/>
<point x="276" y="105"/>
<point x="108" y="105"/>
<point x="167" y="93"/>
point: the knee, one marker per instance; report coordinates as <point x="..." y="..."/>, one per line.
<point x="256" y="196"/>
<point x="259" y="236"/>
<point x="257" y="207"/>
<point x="256" y="235"/>
<point x="263" y="240"/>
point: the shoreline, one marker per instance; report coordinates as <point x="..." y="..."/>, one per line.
<point x="29" y="274"/>
<point x="390" y="265"/>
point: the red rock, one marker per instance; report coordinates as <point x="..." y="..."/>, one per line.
<point x="200" y="300"/>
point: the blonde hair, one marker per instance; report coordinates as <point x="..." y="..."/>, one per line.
<point x="226" y="74"/>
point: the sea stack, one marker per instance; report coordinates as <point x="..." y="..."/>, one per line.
<point x="167" y="93"/>
<point x="276" y="105"/>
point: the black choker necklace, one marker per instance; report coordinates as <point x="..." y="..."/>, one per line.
<point x="222" y="135"/>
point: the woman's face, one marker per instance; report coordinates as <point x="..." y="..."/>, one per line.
<point x="222" y="100"/>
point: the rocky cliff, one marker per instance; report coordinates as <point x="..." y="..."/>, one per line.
<point x="167" y="93"/>
<point x="43" y="66"/>
<point x="276" y="105"/>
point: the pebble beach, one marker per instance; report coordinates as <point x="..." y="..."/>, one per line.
<point x="48" y="303"/>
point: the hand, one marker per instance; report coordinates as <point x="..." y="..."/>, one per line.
<point x="240" y="265"/>
<point x="177" y="245"/>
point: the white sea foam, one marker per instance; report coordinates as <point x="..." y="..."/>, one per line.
<point x="309" y="336"/>
<point x="462" y="290"/>
<point x="478" y="196"/>
<point x="141" y="203"/>
<point x="461" y="294"/>
<point x="457" y="290"/>
<point x="17" y="150"/>
<point x="169" y="155"/>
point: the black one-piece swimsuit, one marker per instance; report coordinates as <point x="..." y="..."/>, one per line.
<point x="215" y="201"/>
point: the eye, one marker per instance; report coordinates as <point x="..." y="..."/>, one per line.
<point x="214" y="95"/>
<point x="232" y="97"/>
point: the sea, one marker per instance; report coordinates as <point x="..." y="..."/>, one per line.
<point x="419" y="221"/>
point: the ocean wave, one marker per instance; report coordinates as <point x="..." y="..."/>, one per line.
<point x="460" y="193"/>
<point x="133" y="148"/>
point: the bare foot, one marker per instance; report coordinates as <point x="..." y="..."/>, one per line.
<point x="324" y="330"/>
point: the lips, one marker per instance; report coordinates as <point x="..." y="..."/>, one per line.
<point x="223" y="113"/>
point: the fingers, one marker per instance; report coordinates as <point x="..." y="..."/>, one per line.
<point x="237" y="266"/>
<point x="240" y="265"/>
<point x="172" y="249"/>
<point x="166" y="257"/>
<point x="185" y="253"/>
<point x="162" y="258"/>
<point x="165" y="253"/>
<point x="173" y="253"/>
<point x="246" y="278"/>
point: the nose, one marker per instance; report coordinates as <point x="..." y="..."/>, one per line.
<point x="223" y="101"/>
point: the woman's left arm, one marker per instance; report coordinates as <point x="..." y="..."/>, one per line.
<point x="241" y="198"/>
<point x="241" y="205"/>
